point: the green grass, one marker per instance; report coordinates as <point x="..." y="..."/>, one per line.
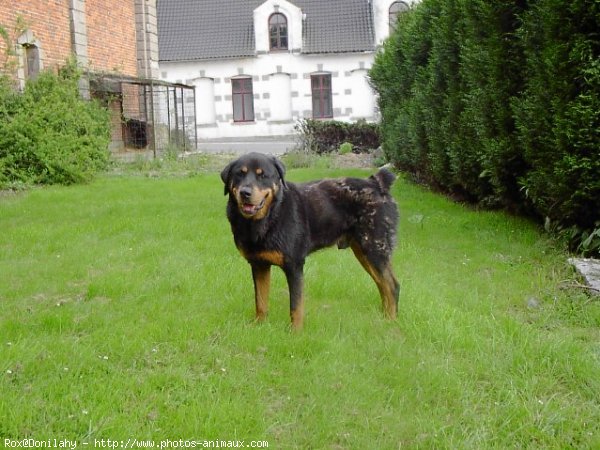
<point x="126" y="312"/>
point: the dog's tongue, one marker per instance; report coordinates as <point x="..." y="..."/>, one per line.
<point x="248" y="208"/>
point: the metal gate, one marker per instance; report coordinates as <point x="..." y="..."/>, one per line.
<point x="148" y="115"/>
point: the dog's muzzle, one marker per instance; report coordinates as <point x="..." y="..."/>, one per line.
<point x="249" y="209"/>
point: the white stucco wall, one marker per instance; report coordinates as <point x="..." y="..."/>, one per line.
<point x="276" y="111"/>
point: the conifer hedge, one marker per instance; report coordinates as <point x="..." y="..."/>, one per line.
<point x="499" y="103"/>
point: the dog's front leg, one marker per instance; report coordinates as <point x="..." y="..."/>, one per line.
<point x="295" y="280"/>
<point x="261" y="274"/>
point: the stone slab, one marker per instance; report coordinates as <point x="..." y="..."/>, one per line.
<point x="590" y="271"/>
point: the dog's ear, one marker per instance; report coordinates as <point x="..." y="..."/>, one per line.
<point x="225" y="175"/>
<point x="280" y="170"/>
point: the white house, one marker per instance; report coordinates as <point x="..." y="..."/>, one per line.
<point x="258" y="66"/>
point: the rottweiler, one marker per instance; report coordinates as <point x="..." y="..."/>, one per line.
<point x="276" y="222"/>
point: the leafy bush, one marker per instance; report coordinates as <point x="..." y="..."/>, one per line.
<point x="48" y="134"/>
<point x="499" y="103"/>
<point x="345" y="148"/>
<point x="327" y="136"/>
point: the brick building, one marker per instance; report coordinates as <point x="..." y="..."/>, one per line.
<point x="115" y="43"/>
<point x="106" y="36"/>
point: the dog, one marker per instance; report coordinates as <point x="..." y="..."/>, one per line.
<point x="279" y="223"/>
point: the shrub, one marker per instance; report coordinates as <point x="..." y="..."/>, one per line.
<point x="345" y="148"/>
<point x="558" y="116"/>
<point x="327" y="136"/>
<point x="499" y="103"/>
<point x="48" y="134"/>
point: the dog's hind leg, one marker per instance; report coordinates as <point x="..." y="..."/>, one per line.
<point x="380" y="269"/>
<point x="392" y="291"/>
<point x="261" y="274"/>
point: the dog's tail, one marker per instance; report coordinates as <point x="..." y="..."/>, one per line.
<point x="384" y="179"/>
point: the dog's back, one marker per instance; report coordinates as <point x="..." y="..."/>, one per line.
<point x="347" y="208"/>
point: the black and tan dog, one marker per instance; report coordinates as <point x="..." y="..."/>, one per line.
<point x="275" y="222"/>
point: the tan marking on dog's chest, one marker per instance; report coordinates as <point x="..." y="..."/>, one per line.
<point x="268" y="256"/>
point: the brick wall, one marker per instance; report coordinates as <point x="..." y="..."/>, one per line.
<point x="47" y="19"/>
<point x="110" y="27"/>
<point x="111" y="36"/>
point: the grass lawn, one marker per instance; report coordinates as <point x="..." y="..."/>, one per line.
<point x="126" y="312"/>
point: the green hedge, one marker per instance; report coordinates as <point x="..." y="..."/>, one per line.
<point x="499" y="103"/>
<point x="48" y="134"/>
<point x="326" y="136"/>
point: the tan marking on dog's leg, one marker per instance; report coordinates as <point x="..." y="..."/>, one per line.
<point x="297" y="315"/>
<point x="391" y="292"/>
<point x="262" y="284"/>
<point x="386" y="282"/>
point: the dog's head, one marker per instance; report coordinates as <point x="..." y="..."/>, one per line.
<point x="253" y="181"/>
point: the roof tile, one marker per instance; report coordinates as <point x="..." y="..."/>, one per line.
<point x="209" y="29"/>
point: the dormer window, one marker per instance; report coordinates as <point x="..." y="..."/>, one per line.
<point x="396" y="9"/>
<point x="278" y="32"/>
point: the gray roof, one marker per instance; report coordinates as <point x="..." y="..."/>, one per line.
<point x="208" y="29"/>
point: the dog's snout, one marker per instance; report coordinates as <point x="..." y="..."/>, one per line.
<point x="246" y="192"/>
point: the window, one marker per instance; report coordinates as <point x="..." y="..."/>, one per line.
<point x="396" y="9"/>
<point x="321" y="96"/>
<point x="32" y="61"/>
<point x="278" y="35"/>
<point x="243" y="102"/>
<point x="30" y="56"/>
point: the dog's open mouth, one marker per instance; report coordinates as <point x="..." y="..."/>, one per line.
<point x="249" y="209"/>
